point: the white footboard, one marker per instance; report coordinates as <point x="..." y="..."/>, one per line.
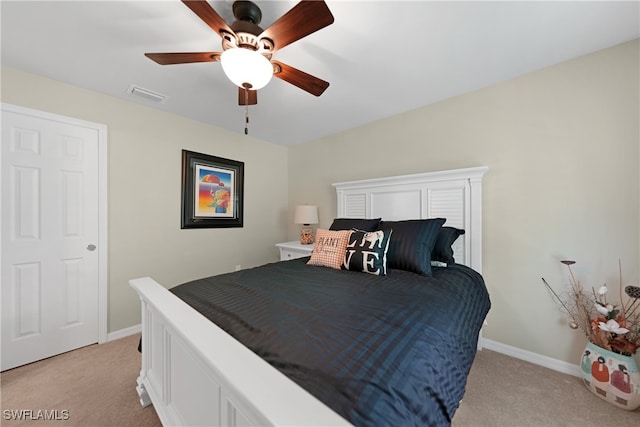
<point x="194" y="373"/>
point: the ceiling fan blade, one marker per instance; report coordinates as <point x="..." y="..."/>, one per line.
<point x="183" y="57"/>
<point x="304" y="81"/>
<point x="208" y="15"/>
<point x="247" y="97"/>
<point x="303" y="19"/>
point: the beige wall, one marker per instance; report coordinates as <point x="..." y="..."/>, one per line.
<point x="144" y="173"/>
<point x="562" y="147"/>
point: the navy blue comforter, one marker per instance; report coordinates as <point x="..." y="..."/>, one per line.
<point x="380" y="351"/>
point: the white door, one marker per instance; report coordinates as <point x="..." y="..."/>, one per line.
<point x="50" y="236"/>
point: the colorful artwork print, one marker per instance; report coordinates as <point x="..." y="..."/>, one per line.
<point x="214" y="192"/>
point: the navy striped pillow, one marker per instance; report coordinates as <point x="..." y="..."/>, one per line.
<point x="411" y="243"/>
<point x="357" y="223"/>
<point x="443" y="251"/>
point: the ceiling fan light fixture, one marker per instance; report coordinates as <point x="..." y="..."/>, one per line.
<point x="246" y="68"/>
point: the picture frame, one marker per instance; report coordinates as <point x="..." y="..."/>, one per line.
<point x="212" y="191"/>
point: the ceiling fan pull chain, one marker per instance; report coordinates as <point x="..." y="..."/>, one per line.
<point x="246" y="111"/>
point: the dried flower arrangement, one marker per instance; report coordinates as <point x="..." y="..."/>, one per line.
<point x="613" y="327"/>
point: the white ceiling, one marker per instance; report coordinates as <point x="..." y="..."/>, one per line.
<point x="380" y="57"/>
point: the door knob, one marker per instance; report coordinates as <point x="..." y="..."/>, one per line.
<point x="91" y="248"/>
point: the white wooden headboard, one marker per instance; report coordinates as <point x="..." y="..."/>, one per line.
<point x="454" y="194"/>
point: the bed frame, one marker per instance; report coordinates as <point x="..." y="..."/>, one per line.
<point x="194" y="373"/>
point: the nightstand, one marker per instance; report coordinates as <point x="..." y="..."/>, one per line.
<point x="293" y="250"/>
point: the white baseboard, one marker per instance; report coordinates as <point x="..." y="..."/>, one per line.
<point x="535" y="358"/>
<point x="124" y="332"/>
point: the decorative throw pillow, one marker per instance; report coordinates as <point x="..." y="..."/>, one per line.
<point x="411" y="243"/>
<point x="443" y="251"/>
<point x="329" y="248"/>
<point x="367" y="252"/>
<point x="355" y="223"/>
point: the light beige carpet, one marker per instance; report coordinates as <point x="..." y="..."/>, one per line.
<point x="96" y="385"/>
<point x="507" y="392"/>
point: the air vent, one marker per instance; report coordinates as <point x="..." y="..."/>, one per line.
<point x="147" y="94"/>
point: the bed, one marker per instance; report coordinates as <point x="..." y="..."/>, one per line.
<point x="289" y="343"/>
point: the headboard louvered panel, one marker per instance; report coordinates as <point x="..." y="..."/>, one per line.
<point x="356" y="206"/>
<point x="455" y="195"/>
<point x="452" y="203"/>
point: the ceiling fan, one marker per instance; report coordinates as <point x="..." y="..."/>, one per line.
<point x="247" y="49"/>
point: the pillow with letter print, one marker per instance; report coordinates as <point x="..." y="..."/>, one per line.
<point x="329" y="248"/>
<point x="367" y="252"/>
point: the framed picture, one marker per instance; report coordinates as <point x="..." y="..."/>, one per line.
<point x="212" y="191"/>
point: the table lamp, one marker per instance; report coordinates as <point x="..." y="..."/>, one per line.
<point x="306" y="215"/>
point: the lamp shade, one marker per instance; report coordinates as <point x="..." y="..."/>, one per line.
<point x="246" y="68"/>
<point x="306" y="215"/>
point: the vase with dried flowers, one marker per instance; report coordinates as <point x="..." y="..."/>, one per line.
<point x="608" y="365"/>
